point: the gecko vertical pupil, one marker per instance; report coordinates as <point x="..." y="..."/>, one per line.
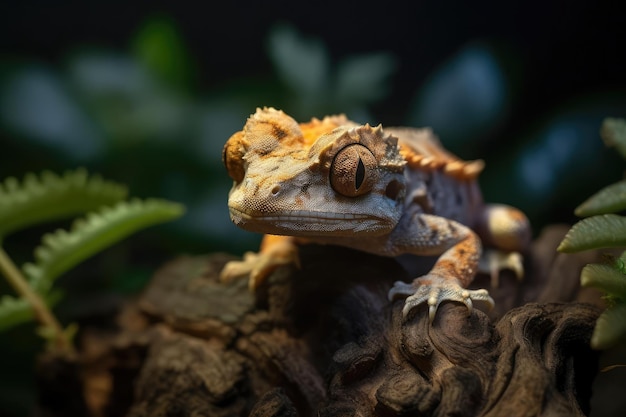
<point x="354" y="171"/>
<point x="360" y="174"/>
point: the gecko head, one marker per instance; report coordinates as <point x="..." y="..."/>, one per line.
<point x="328" y="177"/>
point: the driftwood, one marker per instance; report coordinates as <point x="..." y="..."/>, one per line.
<point x="324" y="340"/>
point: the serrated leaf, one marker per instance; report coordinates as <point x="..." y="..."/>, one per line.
<point x="610" y="199"/>
<point x="604" y="277"/>
<point x="50" y="197"/>
<point x="610" y="327"/>
<point x="16" y="311"/>
<point x="613" y="132"/>
<point x="63" y="250"/>
<point x="603" y="231"/>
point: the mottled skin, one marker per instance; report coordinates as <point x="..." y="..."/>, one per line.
<point x="387" y="192"/>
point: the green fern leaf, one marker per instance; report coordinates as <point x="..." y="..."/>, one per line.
<point x="610" y="199"/>
<point x="613" y="132"/>
<point x="604" y="277"/>
<point x="51" y="197"/>
<point x="603" y="231"/>
<point x="610" y="327"/>
<point x="15" y="311"/>
<point x="63" y="250"/>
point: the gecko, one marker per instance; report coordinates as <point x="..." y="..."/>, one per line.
<point x="386" y="191"/>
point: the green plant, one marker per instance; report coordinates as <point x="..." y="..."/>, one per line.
<point x="604" y="229"/>
<point x="109" y="218"/>
<point x="317" y="85"/>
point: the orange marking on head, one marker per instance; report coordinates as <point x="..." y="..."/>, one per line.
<point x="312" y="130"/>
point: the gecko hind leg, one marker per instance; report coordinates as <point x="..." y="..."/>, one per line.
<point x="507" y="232"/>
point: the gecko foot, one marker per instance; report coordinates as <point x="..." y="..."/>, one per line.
<point x="493" y="261"/>
<point x="434" y="290"/>
<point x="257" y="266"/>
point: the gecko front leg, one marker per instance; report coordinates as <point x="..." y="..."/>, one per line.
<point x="460" y="251"/>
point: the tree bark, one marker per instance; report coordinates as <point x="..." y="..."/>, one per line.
<point x="324" y="340"/>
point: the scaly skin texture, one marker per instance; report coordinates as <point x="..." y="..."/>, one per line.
<point x="385" y="191"/>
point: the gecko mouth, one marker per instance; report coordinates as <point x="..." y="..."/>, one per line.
<point x="309" y="223"/>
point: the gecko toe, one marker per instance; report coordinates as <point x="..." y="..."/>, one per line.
<point x="483" y="295"/>
<point x="401" y="289"/>
<point x="416" y="300"/>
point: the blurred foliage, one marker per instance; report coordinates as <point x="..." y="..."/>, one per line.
<point x="44" y="198"/>
<point x="317" y="87"/>
<point x="108" y="219"/>
<point x="605" y="230"/>
<point x="466" y="98"/>
<point x="159" y="47"/>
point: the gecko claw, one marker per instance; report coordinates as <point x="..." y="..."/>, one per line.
<point x="435" y="290"/>
<point x="432" y="311"/>
<point x="468" y="303"/>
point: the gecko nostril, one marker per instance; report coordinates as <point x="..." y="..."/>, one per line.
<point x="275" y="190"/>
<point x="394" y="190"/>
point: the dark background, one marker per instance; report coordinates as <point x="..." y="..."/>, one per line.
<point x="147" y="93"/>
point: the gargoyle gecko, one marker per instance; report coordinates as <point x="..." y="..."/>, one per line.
<point x="385" y="191"/>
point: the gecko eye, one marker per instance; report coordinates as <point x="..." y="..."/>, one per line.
<point x="353" y="171"/>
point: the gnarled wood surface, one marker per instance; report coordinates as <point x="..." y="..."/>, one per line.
<point x="324" y="340"/>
